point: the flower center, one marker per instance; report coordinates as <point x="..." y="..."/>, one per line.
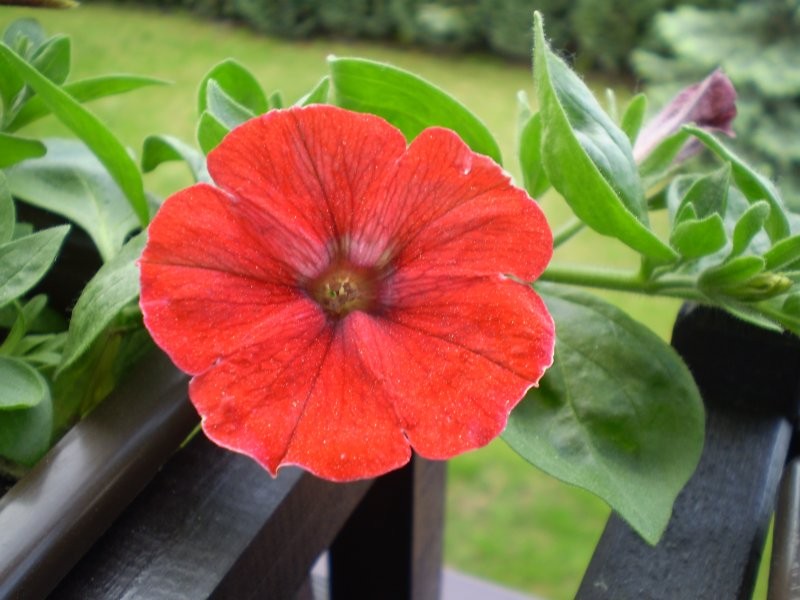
<point x="341" y="290"/>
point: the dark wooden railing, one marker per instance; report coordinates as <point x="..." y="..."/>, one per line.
<point x="118" y="510"/>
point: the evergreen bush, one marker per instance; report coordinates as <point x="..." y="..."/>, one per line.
<point x="453" y="24"/>
<point x="286" y="18"/>
<point x="757" y="45"/>
<point x="357" y="18"/>
<point x="507" y="25"/>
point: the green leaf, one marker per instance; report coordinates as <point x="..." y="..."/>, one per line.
<point x="222" y="106"/>
<point x="24" y="261"/>
<point x="633" y="118"/>
<point x="25" y="319"/>
<point x="24" y="33"/>
<point x="588" y="158"/>
<point x="23" y="36"/>
<point x="783" y="253"/>
<point x="84" y="90"/>
<point x="238" y="83"/>
<point x="656" y="164"/>
<point x="754" y="185"/>
<point x="52" y="59"/>
<point x="709" y="194"/>
<point x="617" y="414"/>
<point x="530" y="157"/>
<point x="210" y="132"/>
<point x="88" y="128"/>
<point x="748" y="225"/>
<point x="164" y="148"/>
<point x="699" y="237"/>
<point x="318" y="94"/>
<point x="407" y="101"/>
<point x="14" y="149"/>
<point x="22" y="387"/>
<point x="87" y="380"/>
<point x="734" y="272"/>
<point x="70" y="181"/>
<point x="25" y="433"/>
<point x="276" y="100"/>
<point x="112" y="288"/>
<point x="8" y="215"/>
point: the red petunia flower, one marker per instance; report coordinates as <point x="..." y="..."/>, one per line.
<point x="342" y="296"/>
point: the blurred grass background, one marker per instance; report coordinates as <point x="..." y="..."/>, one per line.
<point x="506" y="521"/>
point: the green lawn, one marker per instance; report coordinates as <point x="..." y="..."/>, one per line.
<point x="506" y="521"/>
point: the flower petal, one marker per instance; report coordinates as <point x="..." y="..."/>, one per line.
<point x="212" y="283"/>
<point x="454" y="212"/>
<point x="310" y="166"/>
<point x="710" y="104"/>
<point x="305" y="400"/>
<point x="458" y="356"/>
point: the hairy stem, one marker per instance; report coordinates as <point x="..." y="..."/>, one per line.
<point x="674" y="286"/>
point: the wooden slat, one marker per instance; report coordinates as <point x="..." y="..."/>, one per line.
<point x="393" y="541"/>
<point x="214" y="524"/>
<point x="784" y="573"/>
<point x="711" y="549"/>
<point x="53" y="515"/>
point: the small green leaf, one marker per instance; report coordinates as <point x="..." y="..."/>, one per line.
<point x="276" y="100"/>
<point x="734" y="272"/>
<point x="617" y="414"/>
<point x="164" y="148"/>
<point x="24" y="261"/>
<point x="70" y="181"/>
<point x="224" y="108"/>
<point x="88" y="128"/>
<point x="783" y="253"/>
<point x="709" y="194"/>
<point x="210" y="132"/>
<point x="634" y="116"/>
<point x="52" y="59"/>
<point x="238" y="83"/>
<point x="700" y="237"/>
<point x="748" y="225"/>
<point x="530" y="157"/>
<point x="84" y="90"/>
<point x="754" y="185"/>
<point x="22" y="386"/>
<point x="25" y="318"/>
<point x="24" y="33"/>
<point x="25" y="431"/>
<point x="656" y="164"/>
<point x="318" y="94"/>
<point x="14" y="149"/>
<point x="588" y="158"/>
<point x="407" y="101"/>
<point x="8" y="215"/>
<point x="112" y="288"/>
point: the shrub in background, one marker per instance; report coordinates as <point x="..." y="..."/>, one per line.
<point x="357" y="18"/>
<point x="507" y="25"/>
<point x="286" y="18"/>
<point x="756" y="44"/>
<point x="453" y="24"/>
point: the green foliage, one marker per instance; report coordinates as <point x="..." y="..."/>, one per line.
<point x="357" y="18"/>
<point x="755" y="43"/>
<point x="453" y="24"/>
<point x="407" y="101"/>
<point x="287" y="18"/>
<point x="508" y="29"/>
<point x="93" y="183"/>
<point x="587" y="158"/>
<point x="618" y="413"/>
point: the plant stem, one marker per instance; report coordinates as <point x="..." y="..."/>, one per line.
<point x="675" y="286"/>
<point x="566" y="232"/>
